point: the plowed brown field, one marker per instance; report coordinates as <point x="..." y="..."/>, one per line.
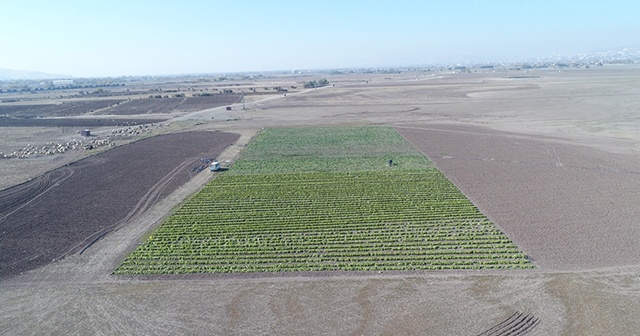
<point x="63" y="211"/>
<point x="567" y="206"/>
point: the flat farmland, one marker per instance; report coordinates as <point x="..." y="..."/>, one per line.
<point x="76" y="122"/>
<point x="61" y="212"/>
<point x="67" y="108"/>
<point x="566" y="205"/>
<point x="170" y="105"/>
<point x="588" y="116"/>
<point x="145" y="106"/>
<point x="192" y="104"/>
<point x="325" y="199"/>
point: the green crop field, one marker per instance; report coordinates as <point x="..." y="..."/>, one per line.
<point x="328" y="149"/>
<point x="323" y="199"/>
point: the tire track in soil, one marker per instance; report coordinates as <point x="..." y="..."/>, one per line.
<point x="517" y="324"/>
<point x="555" y="157"/>
<point x="23" y="194"/>
<point x="155" y="192"/>
<point x="363" y="300"/>
<point x="149" y="199"/>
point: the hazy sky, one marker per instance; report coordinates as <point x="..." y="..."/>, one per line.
<point x="137" y="37"/>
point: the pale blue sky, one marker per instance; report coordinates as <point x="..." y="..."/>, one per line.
<point x="114" y="38"/>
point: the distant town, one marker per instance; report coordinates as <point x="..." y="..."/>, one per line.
<point x="12" y="81"/>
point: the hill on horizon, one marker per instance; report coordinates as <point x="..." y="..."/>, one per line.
<point x="10" y="74"/>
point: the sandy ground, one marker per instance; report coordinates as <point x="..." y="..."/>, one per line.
<point x="577" y="129"/>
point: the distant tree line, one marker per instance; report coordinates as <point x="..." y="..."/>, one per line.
<point x="315" y="84"/>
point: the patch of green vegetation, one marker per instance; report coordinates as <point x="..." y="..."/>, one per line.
<point x="319" y="199"/>
<point x="295" y="150"/>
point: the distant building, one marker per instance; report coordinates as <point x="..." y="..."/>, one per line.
<point x="58" y="82"/>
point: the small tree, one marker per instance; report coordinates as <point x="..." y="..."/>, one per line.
<point x="315" y="84"/>
<point x="310" y="85"/>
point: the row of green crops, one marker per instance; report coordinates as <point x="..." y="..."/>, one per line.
<point x="328" y="149"/>
<point x="408" y="216"/>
